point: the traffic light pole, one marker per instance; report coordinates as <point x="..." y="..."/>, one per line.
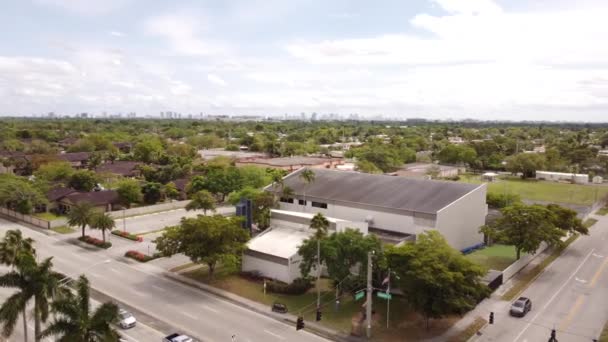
<point x="368" y="304"/>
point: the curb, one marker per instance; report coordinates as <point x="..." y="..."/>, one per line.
<point x="243" y="302"/>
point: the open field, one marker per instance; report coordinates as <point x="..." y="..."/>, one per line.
<point x="47" y="216"/>
<point x="496" y="257"/>
<point x="543" y="190"/>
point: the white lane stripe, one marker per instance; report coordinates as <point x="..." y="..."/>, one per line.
<point x="554" y="295"/>
<point x="189" y="315"/>
<point x="210" y="309"/>
<point x="158" y="288"/>
<point x="273" y="334"/>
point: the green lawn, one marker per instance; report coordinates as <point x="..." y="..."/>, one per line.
<point x="63" y="230"/>
<point x="496" y="257"/>
<point x="589" y="222"/>
<point x="47" y="216"/>
<point x="403" y="323"/>
<point x="603" y="211"/>
<point x="543" y="190"/>
<point x="604" y="336"/>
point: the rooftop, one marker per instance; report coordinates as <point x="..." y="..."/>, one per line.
<point x="288" y="161"/>
<point x="424" y="167"/>
<point x="415" y="195"/>
<point x="280" y="242"/>
<point x="94" y="197"/>
<point x="119" y="167"/>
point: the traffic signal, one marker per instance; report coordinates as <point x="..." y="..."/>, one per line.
<point x="319" y="315"/>
<point x="491" y="318"/>
<point x="300" y="323"/>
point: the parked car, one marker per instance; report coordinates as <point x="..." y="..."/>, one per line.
<point x="279" y="307"/>
<point x="126" y="320"/>
<point x="521" y="307"/>
<point x="178" y="338"/>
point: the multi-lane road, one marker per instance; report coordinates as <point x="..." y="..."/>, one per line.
<point x="183" y="308"/>
<point x="571" y="296"/>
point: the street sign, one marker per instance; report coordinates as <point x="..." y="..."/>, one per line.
<point x="359" y="295"/>
<point x="385" y="295"/>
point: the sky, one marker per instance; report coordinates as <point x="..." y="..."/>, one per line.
<point x="439" y="59"/>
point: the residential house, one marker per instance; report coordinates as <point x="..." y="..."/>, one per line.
<point x="426" y="171"/>
<point x="124" y="168"/>
<point x="293" y="163"/>
<point x="102" y="201"/>
<point x="124" y="147"/>
<point x="78" y="160"/>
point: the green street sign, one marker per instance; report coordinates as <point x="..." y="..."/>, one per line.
<point x="359" y="295"/>
<point x="385" y="295"/>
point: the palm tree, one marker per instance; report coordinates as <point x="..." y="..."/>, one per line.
<point x="12" y="245"/>
<point x="320" y="224"/>
<point x="74" y="321"/>
<point x="80" y="215"/>
<point x="103" y="222"/>
<point x="32" y="280"/>
<point x="202" y="200"/>
<point x="308" y="176"/>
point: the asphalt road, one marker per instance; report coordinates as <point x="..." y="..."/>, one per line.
<point x="155" y="221"/>
<point x="571" y="296"/>
<point x="188" y="310"/>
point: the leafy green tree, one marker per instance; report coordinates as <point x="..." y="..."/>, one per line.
<point x="148" y="151"/>
<point x="320" y="224"/>
<point x="202" y="200"/>
<point x="340" y="252"/>
<point x="253" y="176"/>
<point x="367" y="167"/>
<point x="526" y="163"/>
<point x="83" y="180"/>
<point x="76" y="322"/>
<point x="129" y="192"/>
<point x="436" y="279"/>
<point x="197" y="184"/>
<point x="500" y="200"/>
<point x="152" y="192"/>
<point x="95" y="159"/>
<point x="103" y="222"/>
<point x="32" y="280"/>
<point x="80" y="215"/>
<point x="19" y="194"/>
<point x="171" y="190"/>
<point x="55" y="172"/>
<point x="206" y="239"/>
<point x="308" y="176"/>
<point x="457" y="154"/>
<point x="262" y="203"/>
<point x="527" y="226"/>
<point x="14" y="244"/>
<point x="223" y="181"/>
<point x="566" y="219"/>
<point x="181" y="150"/>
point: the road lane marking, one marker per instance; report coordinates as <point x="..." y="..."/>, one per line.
<point x="597" y="274"/>
<point x="598" y="255"/>
<point x="158" y="288"/>
<point x="190" y="315"/>
<point x="113" y="270"/>
<point x="206" y="307"/>
<point x="554" y="295"/>
<point x="580" y="280"/>
<point x="573" y="311"/>
<point x="273" y="334"/>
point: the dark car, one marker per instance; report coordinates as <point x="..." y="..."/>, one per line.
<point x="521" y="307"/>
<point x="280" y="308"/>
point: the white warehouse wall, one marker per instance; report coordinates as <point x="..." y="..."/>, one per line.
<point x="460" y="221"/>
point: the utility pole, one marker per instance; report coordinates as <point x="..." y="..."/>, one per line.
<point x="388" y="300"/>
<point x="368" y="304"/>
<point x="318" y="273"/>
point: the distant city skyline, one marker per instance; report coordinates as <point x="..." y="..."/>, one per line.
<point x="437" y="59"/>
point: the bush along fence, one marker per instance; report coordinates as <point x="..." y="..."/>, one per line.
<point x="127" y="235"/>
<point x="141" y="257"/>
<point x="95" y="242"/>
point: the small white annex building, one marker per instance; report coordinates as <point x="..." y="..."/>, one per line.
<point x="575" y="178"/>
<point x="274" y="253"/>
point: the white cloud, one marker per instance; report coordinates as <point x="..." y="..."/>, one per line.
<point x="182" y="34"/>
<point x="117" y="34"/>
<point x="216" y="80"/>
<point x="86" y="7"/>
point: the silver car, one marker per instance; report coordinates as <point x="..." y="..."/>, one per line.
<point x="521" y="307"/>
<point x="125" y="319"/>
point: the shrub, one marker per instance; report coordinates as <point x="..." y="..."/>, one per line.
<point x="127" y="235"/>
<point x="499" y="201"/>
<point x="95" y="242"/>
<point x="252" y="275"/>
<point x="141" y="257"/>
<point x="298" y="287"/>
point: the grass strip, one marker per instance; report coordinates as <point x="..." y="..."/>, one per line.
<point x="469" y="331"/>
<point x="63" y="230"/>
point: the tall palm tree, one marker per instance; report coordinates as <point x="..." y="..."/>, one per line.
<point x="74" y="321"/>
<point x="12" y="245"/>
<point x="32" y="280"/>
<point x="103" y="222"/>
<point x="308" y="176"/>
<point x="320" y="224"/>
<point x="80" y="215"/>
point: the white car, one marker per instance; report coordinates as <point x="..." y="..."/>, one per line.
<point x="125" y="319"/>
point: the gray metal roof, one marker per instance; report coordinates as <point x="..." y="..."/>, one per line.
<point x="425" y="196"/>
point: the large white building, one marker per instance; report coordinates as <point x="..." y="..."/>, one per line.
<point x="394" y="208"/>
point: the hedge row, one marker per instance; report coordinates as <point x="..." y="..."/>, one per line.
<point x="95" y="242"/>
<point x="141" y="257"/>
<point x="127" y="235"/>
<point x="298" y="287"/>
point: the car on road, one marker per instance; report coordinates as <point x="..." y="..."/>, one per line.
<point x="521" y="307"/>
<point x="279" y="307"/>
<point x="178" y="338"/>
<point x="126" y="320"/>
